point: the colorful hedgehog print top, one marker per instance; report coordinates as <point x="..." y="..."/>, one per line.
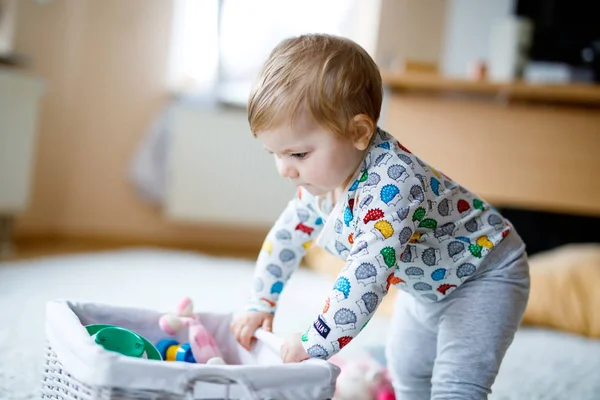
<point x="400" y="222"/>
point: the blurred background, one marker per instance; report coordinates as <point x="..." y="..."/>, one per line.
<point x="128" y="173"/>
<point x="123" y="122"/>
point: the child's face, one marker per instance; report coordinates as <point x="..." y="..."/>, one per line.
<point x="311" y="156"/>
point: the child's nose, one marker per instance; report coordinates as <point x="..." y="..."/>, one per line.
<point x="287" y="170"/>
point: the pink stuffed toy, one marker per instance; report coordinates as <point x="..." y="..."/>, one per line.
<point x="203" y="345"/>
<point x="362" y="379"/>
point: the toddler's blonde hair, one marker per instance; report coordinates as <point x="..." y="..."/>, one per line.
<point x="330" y="77"/>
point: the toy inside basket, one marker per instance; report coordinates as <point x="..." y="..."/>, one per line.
<point x="74" y="360"/>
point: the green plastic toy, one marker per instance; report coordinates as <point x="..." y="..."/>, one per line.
<point x="123" y="341"/>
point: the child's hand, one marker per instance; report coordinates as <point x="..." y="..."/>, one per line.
<point x="293" y="351"/>
<point x="245" y="324"/>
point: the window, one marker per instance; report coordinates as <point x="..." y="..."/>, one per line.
<point x="219" y="45"/>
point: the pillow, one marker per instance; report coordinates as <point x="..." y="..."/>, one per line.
<point x="565" y="289"/>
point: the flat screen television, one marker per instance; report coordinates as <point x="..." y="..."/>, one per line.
<point x="565" y="31"/>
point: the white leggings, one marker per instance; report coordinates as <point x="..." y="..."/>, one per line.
<point x="453" y="349"/>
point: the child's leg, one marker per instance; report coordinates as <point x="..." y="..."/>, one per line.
<point x="410" y="351"/>
<point x="477" y="324"/>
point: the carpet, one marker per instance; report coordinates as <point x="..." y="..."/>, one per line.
<point x="145" y="278"/>
<point x="541" y="364"/>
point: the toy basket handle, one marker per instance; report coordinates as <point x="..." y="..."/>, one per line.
<point x="218" y="385"/>
<point x="223" y="384"/>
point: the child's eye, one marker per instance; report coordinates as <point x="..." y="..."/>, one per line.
<point x="299" y="156"/>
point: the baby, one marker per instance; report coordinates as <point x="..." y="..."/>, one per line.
<point x="393" y="218"/>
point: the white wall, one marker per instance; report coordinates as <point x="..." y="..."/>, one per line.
<point x="467" y="34"/>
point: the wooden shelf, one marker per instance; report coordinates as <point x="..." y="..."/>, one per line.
<point x="577" y="94"/>
<point x="521" y="155"/>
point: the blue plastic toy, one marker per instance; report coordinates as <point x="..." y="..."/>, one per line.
<point x="172" y="350"/>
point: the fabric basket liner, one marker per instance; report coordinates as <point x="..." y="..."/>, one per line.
<point x="259" y="373"/>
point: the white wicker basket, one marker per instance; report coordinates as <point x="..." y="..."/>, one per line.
<point x="76" y="368"/>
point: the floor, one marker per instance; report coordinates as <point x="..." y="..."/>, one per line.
<point x="140" y="278"/>
<point x="27" y="248"/>
<point x="541" y="364"/>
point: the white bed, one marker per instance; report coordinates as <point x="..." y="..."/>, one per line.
<point x="541" y="364"/>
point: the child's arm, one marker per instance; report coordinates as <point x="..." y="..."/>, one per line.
<point x="382" y="230"/>
<point x="282" y="251"/>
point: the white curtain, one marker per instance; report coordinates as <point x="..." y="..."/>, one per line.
<point x="8" y="15"/>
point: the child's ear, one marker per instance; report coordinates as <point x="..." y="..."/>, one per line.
<point x="364" y="128"/>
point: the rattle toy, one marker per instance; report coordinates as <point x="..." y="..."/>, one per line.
<point x="201" y="348"/>
<point x="172" y="350"/>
